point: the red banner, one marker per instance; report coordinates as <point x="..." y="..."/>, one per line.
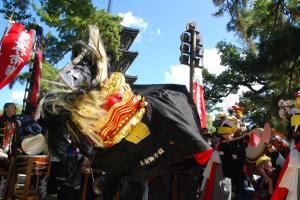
<point x="37" y="77"/>
<point x="15" y="51"/>
<point x="198" y="95"/>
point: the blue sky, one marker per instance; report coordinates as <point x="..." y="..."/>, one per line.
<point x="161" y="23"/>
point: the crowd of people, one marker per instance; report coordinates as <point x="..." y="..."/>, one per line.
<point x="16" y="133"/>
<point x="148" y="142"/>
<point x="259" y="164"/>
<point x="244" y="164"/>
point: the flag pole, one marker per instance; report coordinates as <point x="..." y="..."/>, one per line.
<point x="8" y="23"/>
<point x="33" y="85"/>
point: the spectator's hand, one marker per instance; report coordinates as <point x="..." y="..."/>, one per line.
<point x="266" y="136"/>
<point x="267" y="180"/>
<point x="270" y="185"/>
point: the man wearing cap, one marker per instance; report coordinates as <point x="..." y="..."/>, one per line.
<point x="265" y="169"/>
<point x="231" y="156"/>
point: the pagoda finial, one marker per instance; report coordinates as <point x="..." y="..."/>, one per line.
<point x="109" y="6"/>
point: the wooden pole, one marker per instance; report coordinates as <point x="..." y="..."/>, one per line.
<point x="8" y="23"/>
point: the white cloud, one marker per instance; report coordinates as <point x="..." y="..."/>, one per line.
<point x="158" y="31"/>
<point x="129" y="20"/>
<point x="212" y="61"/>
<point x="231" y="99"/>
<point x="179" y="74"/>
<point x="257" y="87"/>
<point x="18" y="95"/>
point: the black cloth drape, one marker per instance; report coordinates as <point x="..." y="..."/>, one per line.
<point x="174" y="125"/>
<point x="175" y="130"/>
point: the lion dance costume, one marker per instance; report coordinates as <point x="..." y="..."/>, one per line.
<point x="135" y="132"/>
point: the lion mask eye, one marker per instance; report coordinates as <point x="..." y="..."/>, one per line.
<point x="111" y="101"/>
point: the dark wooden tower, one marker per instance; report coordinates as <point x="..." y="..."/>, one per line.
<point x="128" y="35"/>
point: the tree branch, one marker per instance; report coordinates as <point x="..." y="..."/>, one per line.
<point x="279" y="2"/>
<point x="291" y="74"/>
<point x="262" y="89"/>
<point x="228" y="93"/>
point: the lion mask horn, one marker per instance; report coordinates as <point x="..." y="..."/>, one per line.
<point x="77" y="76"/>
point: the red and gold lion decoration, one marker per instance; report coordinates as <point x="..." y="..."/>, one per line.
<point x="106" y="116"/>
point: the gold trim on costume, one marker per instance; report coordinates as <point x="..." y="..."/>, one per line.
<point x="107" y="128"/>
<point x="113" y="84"/>
<point x="138" y="132"/>
<point x="295" y="120"/>
<point x="262" y="158"/>
<point x="126" y="128"/>
<point x="227" y="130"/>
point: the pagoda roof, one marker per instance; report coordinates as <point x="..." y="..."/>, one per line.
<point x="130" y="30"/>
<point x="130" y="79"/>
<point x="124" y="62"/>
<point x="128" y="35"/>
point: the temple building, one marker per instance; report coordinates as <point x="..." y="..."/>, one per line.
<point x="127" y="36"/>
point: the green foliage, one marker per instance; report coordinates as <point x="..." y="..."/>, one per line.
<point x="71" y="20"/>
<point x="21" y="78"/>
<point x="19" y="108"/>
<point x="19" y="10"/>
<point x="209" y="124"/>
<point x="251" y="19"/>
<point x="233" y="77"/>
<point x="270" y="59"/>
<point x="263" y="108"/>
<point x="49" y="73"/>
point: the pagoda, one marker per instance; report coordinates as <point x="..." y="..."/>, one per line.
<point x="127" y="36"/>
